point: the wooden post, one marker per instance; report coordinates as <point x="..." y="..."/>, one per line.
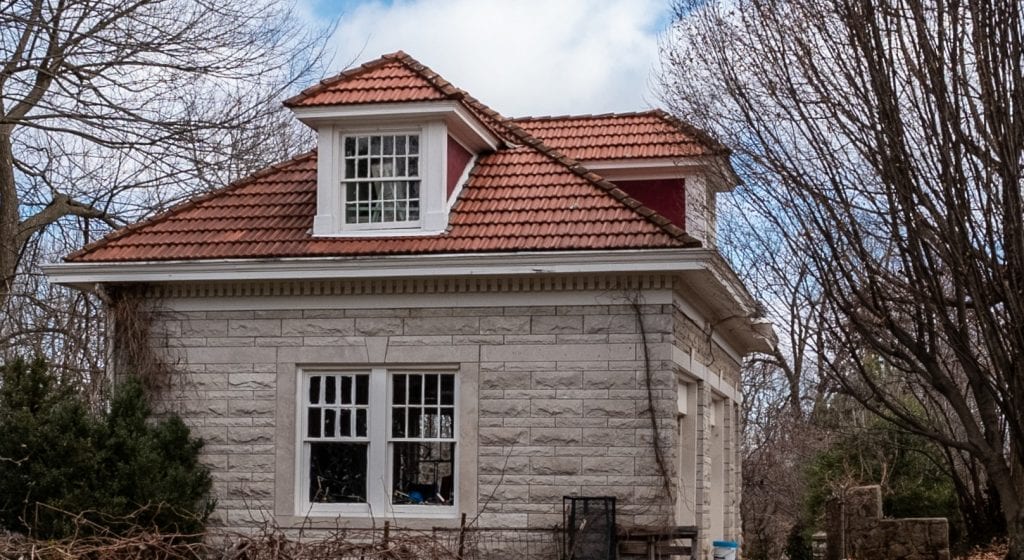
<point x="462" y="534"/>
<point x="387" y="533"/>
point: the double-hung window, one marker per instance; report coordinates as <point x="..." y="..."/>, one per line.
<point x="378" y="441"/>
<point x="381" y="180"/>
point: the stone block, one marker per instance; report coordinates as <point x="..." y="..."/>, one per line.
<point x="551" y="493"/>
<point x="605" y="379"/>
<point x="558" y="380"/>
<point x="555" y="465"/>
<point x="558" y="353"/>
<point x="605" y="436"/>
<point x="231" y="355"/>
<point x="446" y="325"/>
<point x="505" y="407"/>
<point x="505" y="325"/>
<point x="557" y="407"/>
<point x="555" y="436"/>
<point x="608" y="465"/>
<point x="610" y="324"/>
<point x="230" y="341"/>
<point x="252" y="380"/>
<point x="251" y="463"/>
<point x="204" y="328"/>
<point x="507" y="464"/>
<point x="318" y="327"/>
<point x="504" y="436"/>
<point x="272" y="341"/>
<point x="529" y="422"/>
<point x="558" y="324"/>
<point x="250" y="435"/>
<point x="505" y="380"/>
<point x="609" y="407"/>
<point x="254" y="327"/>
<point x="379" y="326"/>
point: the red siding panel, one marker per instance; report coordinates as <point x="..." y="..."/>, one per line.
<point x="665" y="196"/>
<point x="458" y="159"/>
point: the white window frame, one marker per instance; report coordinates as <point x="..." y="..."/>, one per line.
<point x="379" y="457"/>
<point x="433" y="165"/>
<point x="344" y="182"/>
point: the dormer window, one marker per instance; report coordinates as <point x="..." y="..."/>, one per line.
<point x="391" y="169"/>
<point x="381" y="182"/>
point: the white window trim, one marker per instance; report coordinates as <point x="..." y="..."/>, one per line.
<point x="343" y="182"/>
<point x="433" y="162"/>
<point x="378" y="457"/>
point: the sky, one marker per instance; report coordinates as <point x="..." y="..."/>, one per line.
<point x="520" y="57"/>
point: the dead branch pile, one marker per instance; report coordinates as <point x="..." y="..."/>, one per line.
<point x="269" y="543"/>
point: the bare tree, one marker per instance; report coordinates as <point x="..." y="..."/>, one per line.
<point x="885" y="140"/>
<point x="111" y="110"/>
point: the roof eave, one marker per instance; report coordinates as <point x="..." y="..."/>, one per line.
<point x="460" y="121"/>
<point x="718" y="287"/>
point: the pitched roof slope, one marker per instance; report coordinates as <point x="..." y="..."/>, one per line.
<point x="527" y="196"/>
<point x="650" y="134"/>
<point x="388" y="79"/>
<point x="516" y="200"/>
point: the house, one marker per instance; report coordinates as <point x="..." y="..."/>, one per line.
<point x="441" y="310"/>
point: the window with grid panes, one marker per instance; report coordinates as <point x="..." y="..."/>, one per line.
<point x="378" y="439"/>
<point x="381" y="179"/>
<point x="337" y="437"/>
<point x="423" y="438"/>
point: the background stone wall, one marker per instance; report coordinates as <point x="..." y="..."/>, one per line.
<point x="856" y="529"/>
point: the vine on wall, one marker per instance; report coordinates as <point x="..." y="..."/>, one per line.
<point x="132" y="351"/>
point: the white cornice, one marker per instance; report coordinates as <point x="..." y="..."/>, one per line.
<point x="404" y="266"/>
<point x="705" y="278"/>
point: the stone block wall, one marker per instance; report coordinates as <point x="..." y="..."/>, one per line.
<point x="553" y="399"/>
<point x="856" y="530"/>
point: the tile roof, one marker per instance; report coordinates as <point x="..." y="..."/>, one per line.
<point x="527" y="196"/>
<point x="388" y="79"/>
<point x="516" y="200"/>
<point x="651" y="134"/>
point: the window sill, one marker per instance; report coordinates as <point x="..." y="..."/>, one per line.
<point x="382" y="232"/>
<point x="359" y="511"/>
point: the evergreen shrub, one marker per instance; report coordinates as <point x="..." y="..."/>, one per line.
<point x="120" y="469"/>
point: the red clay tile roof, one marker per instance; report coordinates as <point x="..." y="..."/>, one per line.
<point x="527" y="196"/>
<point x="516" y="200"/>
<point x="388" y="79"/>
<point x="651" y="134"/>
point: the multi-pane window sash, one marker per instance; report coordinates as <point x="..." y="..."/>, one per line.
<point x="337" y="420"/>
<point x="422" y="438"/>
<point x="381" y="183"/>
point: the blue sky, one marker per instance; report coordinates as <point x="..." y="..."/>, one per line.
<point x="524" y="57"/>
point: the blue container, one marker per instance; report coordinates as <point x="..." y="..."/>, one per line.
<point x="725" y="550"/>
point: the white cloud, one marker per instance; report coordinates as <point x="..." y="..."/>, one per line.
<point x="529" y="57"/>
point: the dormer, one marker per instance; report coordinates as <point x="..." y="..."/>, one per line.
<point x="667" y="165"/>
<point x="395" y="145"/>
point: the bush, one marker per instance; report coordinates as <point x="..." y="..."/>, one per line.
<point x="118" y="469"/>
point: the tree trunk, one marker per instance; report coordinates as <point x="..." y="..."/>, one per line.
<point x="1015" y="532"/>
<point x="9" y="219"/>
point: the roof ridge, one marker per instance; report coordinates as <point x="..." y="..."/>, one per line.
<point x="187" y="204"/>
<point x="608" y="115"/>
<point x="452" y="91"/>
<point x="699" y="134"/>
<point x="398" y="56"/>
